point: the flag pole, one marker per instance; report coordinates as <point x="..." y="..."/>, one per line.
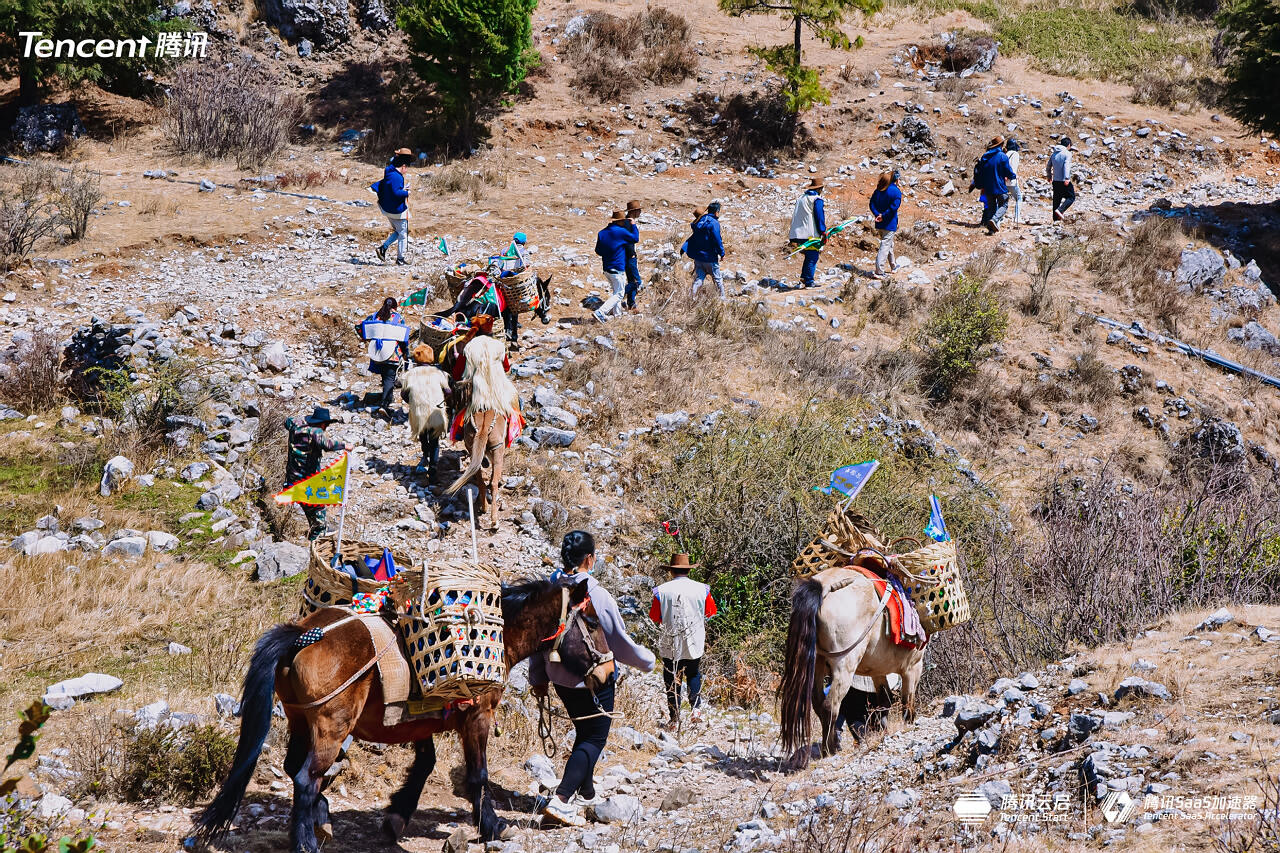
<point x="342" y="513"/>
<point x="471" y="511"/>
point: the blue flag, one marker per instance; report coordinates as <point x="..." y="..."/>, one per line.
<point x="850" y="479"/>
<point x="937" y="529"/>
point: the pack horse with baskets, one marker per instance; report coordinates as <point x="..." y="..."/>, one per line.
<point x="395" y="661"/>
<point x="477" y="289"/>
<point x="859" y="609"/>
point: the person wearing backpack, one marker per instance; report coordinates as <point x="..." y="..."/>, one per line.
<point x="386" y="334"/>
<point x="705" y="248"/>
<point x="991" y="175"/>
<point x="393" y="198"/>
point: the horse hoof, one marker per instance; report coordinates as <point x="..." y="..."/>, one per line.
<point x="393" y="827"/>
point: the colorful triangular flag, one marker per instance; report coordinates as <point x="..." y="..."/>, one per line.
<point x="326" y="488"/>
<point x="937" y="529"/>
<point x="850" y="479"/>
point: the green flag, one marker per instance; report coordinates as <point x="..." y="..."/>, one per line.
<point x="443" y="246"/>
<point x="418" y="297"/>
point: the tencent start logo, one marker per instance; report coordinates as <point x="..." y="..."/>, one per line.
<point x="971" y="808"/>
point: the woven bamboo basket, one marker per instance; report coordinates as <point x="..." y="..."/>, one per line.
<point x="435" y="332"/>
<point x="849" y="532"/>
<point x="457" y="278"/>
<point x="520" y="290"/>
<point x="932" y="579"/>
<point x="330" y="587"/>
<point x="452" y="631"/>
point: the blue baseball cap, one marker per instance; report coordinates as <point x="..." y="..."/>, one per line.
<point x="520" y="237"/>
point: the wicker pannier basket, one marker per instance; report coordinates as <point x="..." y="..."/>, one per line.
<point x="849" y="532"/>
<point x="932" y="579"/>
<point x="452" y="631"/>
<point x="330" y="587"/>
<point x="435" y="332"/>
<point x="520" y="290"/>
<point x="457" y="277"/>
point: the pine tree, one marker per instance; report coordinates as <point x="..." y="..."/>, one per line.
<point x="1251" y="34"/>
<point x="823" y="18"/>
<point x="474" y="51"/>
<point x="77" y="20"/>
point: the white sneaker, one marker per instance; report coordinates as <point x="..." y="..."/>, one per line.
<point x="600" y="318"/>
<point x="582" y="802"/>
<point x="564" y="814"/>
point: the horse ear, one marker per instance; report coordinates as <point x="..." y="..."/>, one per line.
<point x="578" y="593"/>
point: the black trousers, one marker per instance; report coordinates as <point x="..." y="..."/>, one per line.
<point x="1064" y="195"/>
<point x="692" y="672"/>
<point x="386" y="370"/>
<point x="592" y="732"/>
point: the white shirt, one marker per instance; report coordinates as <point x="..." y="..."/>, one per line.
<point x="804" y="224"/>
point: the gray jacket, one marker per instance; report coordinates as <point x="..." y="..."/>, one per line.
<point x="625" y="650"/>
<point x="1059" y="167"/>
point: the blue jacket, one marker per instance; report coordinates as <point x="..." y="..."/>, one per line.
<point x="391" y="191"/>
<point x="612" y="243"/>
<point x="885" y="204"/>
<point x="704" y="244"/>
<point x="992" y="171"/>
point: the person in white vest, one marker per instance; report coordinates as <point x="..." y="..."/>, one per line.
<point x="808" y="223"/>
<point x="681" y="607"/>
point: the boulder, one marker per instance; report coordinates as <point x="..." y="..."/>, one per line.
<point x="46" y="127"/>
<point x="1136" y="686"/>
<point x="1219" y="441"/>
<point x="226" y="705"/>
<point x="281" y="560"/>
<point x="117" y="472"/>
<point x="327" y="23"/>
<point x="620" y="808"/>
<point x="1216" y="620"/>
<point x="159" y="540"/>
<point x="558" y="417"/>
<point x="374" y="15"/>
<point x="273" y="357"/>
<point x="1200" y="268"/>
<point x="127" y="546"/>
<point x="542" y="771"/>
<point x="970" y="56"/>
<point x="1253" y="335"/>
<point x="88" y="684"/>
<point x="675" y="799"/>
<point x="547" y="436"/>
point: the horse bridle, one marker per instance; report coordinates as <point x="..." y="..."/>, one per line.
<point x="571" y="618"/>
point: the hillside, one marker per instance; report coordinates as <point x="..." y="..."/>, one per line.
<point x="1109" y="492"/>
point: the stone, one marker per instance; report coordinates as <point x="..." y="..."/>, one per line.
<point x="26" y="542"/>
<point x="326" y="23"/>
<point x="278" y="560"/>
<point x="1136" y="686"/>
<point x="1081" y="726"/>
<point x="89" y="684"/>
<point x="995" y="791"/>
<point x="159" y="540"/>
<point x="542" y="771"/>
<point x="127" y="546"/>
<point x="194" y="471"/>
<point x="117" y="472"/>
<point x="1216" y="620"/>
<point x="457" y="841"/>
<point x="226" y="705"/>
<point x="902" y="799"/>
<point x="1200" y="268"/>
<point x="179" y="649"/>
<point x="207" y="186"/>
<point x="676" y="798"/>
<point x="1254" y="336"/>
<point x="558" y="417"/>
<point x="547" y="436"/>
<point x="53" y="806"/>
<point x="974" y="716"/>
<point x="150" y="716"/>
<point x="1218" y="441"/>
<point x="970" y="56"/>
<point x="304" y="48"/>
<point x="46" y="127"/>
<point x="672" y="421"/>
<point x="273" y="357"/>
<point x="620" y="808"/>
<point x="87" y="524"/>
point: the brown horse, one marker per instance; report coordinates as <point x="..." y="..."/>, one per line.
<point x="837" y="631"/>
<point x="323" y="709"/>
<point x="494" y="401"/>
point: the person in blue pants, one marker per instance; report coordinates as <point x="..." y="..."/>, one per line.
<point x="809" y="222"/>
<point x="633" y="265"/>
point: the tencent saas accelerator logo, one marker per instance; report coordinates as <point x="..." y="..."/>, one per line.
<point x="1117" y="806"/>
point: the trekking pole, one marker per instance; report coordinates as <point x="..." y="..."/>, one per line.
<point x="471" y="511"/>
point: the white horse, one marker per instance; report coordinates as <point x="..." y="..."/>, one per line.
<point x="424" y="389"/>
<point x="494" y="401"/>
<point x="838" y="631"/>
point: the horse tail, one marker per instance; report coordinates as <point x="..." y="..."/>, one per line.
<point x="256" y="708"/>
<point x="796" y="690"/>
<point x="478" y="444"/>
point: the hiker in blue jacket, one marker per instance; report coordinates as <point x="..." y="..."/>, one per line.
<point x="393" y="198"/>
<point x="705" y="248"/>
<point x="612" y="243"/>
<point x="885" y="202"/>
<point x="990" y="175"/>
<point x="634" y="282"/>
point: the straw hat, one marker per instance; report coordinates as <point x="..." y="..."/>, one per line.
<point x="680" y="563"/>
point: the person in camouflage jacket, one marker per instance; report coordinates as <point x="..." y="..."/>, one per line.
<point x="307" y="444"/>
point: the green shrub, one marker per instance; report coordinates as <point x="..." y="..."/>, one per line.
<point x="963" y="323"/>
<point x="148" y="764"/>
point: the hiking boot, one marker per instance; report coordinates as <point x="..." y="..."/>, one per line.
<point x="401" y="262"/>
<point x="561" y="814"/>
<point x="382" y="253"/>
<point x="991" y="227"/>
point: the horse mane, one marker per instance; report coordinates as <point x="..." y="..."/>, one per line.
<point x="517" y="597"/>
<point x="491" y="389"/>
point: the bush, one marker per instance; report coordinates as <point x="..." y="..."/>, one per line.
<point x="1251" y="42"/>
<point x="1139" y="268"/>
<point x="1049" y="259"/>
<point x="137" y="764"/>
<point x="229" y="113"/>
<point x="76" y="195"/>
<point x="26" y="218"/>
<point x="614" y="56"/>
<point x="749" y="127"/>
<point x="140" y="408"/>
<point x="22" y="828"/>
<point x="32" y="379"/>
<point x="458" y="179"/>
<point x="963" y="323"/>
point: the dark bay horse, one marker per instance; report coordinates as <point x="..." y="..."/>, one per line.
<point x="534" y="613"/>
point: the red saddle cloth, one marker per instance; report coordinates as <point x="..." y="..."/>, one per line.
<point x="894" y="607"/>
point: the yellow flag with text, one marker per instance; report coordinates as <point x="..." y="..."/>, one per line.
<point x="325" y="488"/>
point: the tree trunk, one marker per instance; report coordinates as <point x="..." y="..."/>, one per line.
<point x="28" y="87"/>
<point x="795" y="79"/>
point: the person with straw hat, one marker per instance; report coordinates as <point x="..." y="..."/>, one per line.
<point x="393" y="196"/>
<point x="681" y="608"/>
<point x="990" y="175"/>
<point x="809" y="224"/>
<point x="705" y="248"/>
<point x="633" y="265"/>
<point x="611" y="245"/>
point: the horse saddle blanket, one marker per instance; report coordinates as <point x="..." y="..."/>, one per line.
<point x="904" y="623"/>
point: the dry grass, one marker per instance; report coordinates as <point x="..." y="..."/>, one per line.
<point x="1140" y="267"/>
<point x="613" y="56"/>
<point x="459" y="179"/>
